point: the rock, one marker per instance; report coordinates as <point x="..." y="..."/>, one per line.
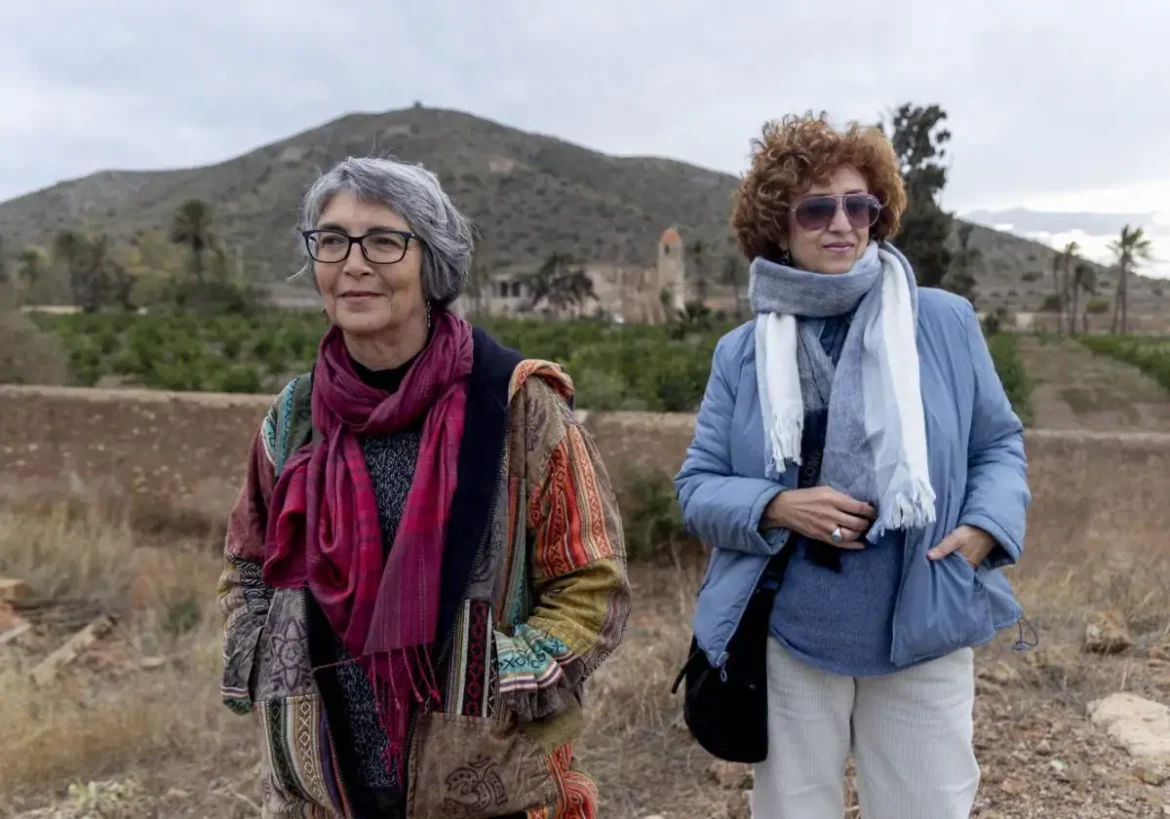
<point x="1106" y="633"/>
<point x="9" y="619"/>
<point x="12" y="590"/>
<point x="741" y="806"/>
<point x="1139" y="725"/>
<point x="15" y="633"/>
<point x="731" y="776"/>
<point x="1152" y="776"/>
<point x="999" y="673"/>
<point x="73" y="648"/>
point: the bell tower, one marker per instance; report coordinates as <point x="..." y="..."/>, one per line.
<point x="672" y="272"/>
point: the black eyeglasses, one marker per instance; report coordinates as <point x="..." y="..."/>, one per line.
<point x="818" y="212"/>
<point x="378" y="246"/>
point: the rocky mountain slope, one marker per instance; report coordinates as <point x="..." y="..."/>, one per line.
<point x="530" y="194"/>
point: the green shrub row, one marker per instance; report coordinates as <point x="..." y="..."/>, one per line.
<point x="1149" y="354"/>
<point x="615" y="367"/>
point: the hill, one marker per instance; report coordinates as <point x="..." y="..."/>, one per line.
<point x="530" y="194"/>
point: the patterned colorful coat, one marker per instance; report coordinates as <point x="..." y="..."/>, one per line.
<point x="534" y="597"/>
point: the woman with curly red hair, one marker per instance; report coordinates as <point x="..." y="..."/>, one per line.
<point x="860" y="476"/>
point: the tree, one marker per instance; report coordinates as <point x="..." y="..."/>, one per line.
<point x="1084" y="281"/>
<point x="71" y="252"/>
<point x="479" y="274"/>
<point x="1067" y="262"/>
<point x="101" y="266"/>
<point x="153" y="264"/>
<point x="696" y="254"/>
<point x="733" y="277"/>
<point x="1132" y="248"/>
<point x="192" y="227"/>
<point x="3" y="264"/>
<point x="560" y="284"/>
<point x="919" y="137"/>
<point x="30" y="266"/>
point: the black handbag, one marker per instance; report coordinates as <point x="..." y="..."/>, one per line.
<point x="726" y="710"/>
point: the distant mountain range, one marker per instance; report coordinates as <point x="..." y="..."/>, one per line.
<point x="530" y="195"/>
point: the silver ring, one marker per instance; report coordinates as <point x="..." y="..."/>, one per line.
<point x="837" y="536"/>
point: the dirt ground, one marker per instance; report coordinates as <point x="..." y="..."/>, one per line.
<point x="1075" y="389"/>
<point x="134" y="728"/>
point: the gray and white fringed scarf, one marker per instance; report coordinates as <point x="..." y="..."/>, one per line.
<point x="875" y="444"/>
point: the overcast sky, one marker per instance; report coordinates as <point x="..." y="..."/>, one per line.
<point x="1056" y="105"/>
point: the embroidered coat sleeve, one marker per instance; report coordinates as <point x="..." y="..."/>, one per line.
<point x="577" y="563"/>
<point x="243" y="596"/>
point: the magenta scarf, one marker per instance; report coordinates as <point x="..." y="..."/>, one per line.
<point x="323" y="529"/>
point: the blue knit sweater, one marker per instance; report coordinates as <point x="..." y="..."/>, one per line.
<point x="838" y="621"/>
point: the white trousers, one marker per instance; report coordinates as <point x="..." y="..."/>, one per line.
<point x="910" y="733"/>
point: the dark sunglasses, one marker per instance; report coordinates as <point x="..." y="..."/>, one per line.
<point x="818" y="212"/>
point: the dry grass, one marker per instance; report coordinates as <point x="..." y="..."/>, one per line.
<point x="114" y="711"/>
<point x="162" y="736"/>
<point x="1073" y="389"/>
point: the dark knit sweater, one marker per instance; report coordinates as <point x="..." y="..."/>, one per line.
<point x="359" y="739"/>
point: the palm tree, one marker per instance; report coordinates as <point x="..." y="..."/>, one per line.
<point x="1068" y="258"/>
<point x="697" y="253"/>
<point x="731" y="277"/>
<point x="30" y="266"/>
<point x="71" y="251"/>
<point x="1132" y="248"/>
<point x="192" y="228"/>
<point x="561" y="284"/>
<point x="1084" y="281"/>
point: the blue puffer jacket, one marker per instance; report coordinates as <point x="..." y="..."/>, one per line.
<point x="977" y="467"/>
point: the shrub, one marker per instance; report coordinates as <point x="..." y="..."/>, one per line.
<point x="29" y="355"/>
<point x="1151" y="355"/>
<point x="659" y="368"/>
<point x="651" y="520"/>
<point x="1008" y="364"/>
<point x="1051" y="304"/>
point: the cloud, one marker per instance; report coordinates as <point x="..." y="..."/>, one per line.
<point x="1044" y="98"/>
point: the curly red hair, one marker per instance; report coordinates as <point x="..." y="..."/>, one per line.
<point x="794" y="154"/>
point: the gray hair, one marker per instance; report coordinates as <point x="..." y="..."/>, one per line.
<point x="413" y="193"/>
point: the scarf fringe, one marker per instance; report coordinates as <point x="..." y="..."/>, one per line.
<point x="913" y="509"/>
<point x="393" y="699"/>
<point x="784" y="437"/>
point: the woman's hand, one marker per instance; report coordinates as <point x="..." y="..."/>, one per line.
<point x="817" y="511"/>
<point x="972" y="543"/>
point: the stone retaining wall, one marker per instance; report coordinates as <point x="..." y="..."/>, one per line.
<point x="182" y="454"/>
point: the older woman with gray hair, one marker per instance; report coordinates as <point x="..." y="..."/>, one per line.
<point x="425" y="560"/>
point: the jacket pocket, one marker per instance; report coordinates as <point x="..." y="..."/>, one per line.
<point x="282" y="667"/>
<point x="292" y="774"/>
<point x="474" y="768"/>
<point x="242" y="634"/>
<point x="944" y="607"/>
